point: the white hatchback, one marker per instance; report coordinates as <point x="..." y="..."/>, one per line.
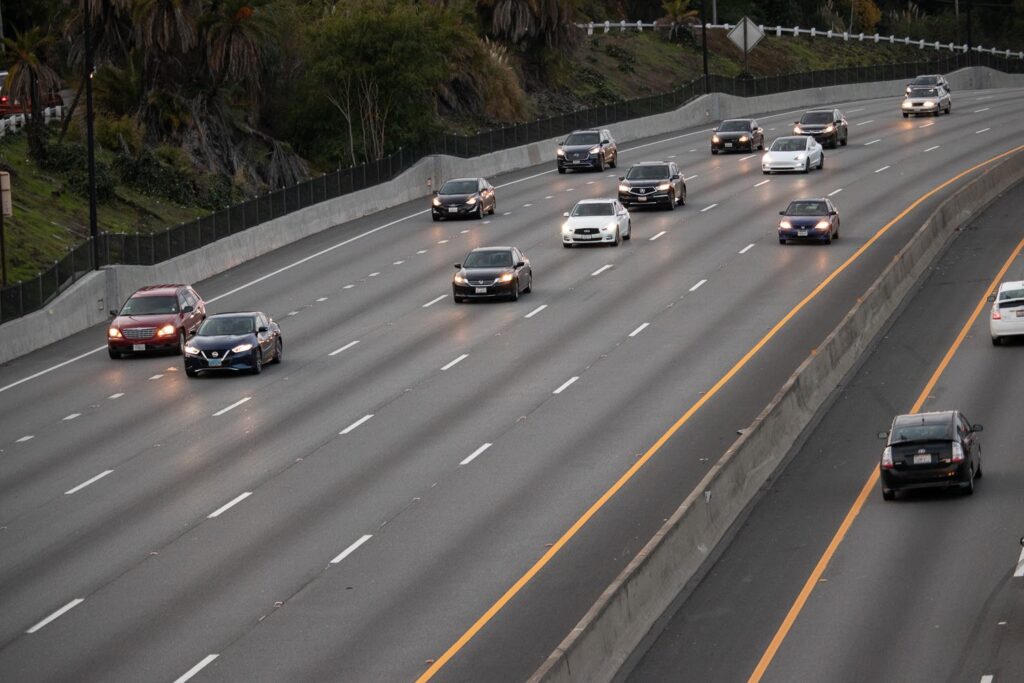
<point x="596" y="221"/>
<point x="1007" y="317"/>
<point x="793" y="153"/>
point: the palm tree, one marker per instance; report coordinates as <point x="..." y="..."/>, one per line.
<point x="29" y="80"/>
<point x="164" y="25"/>
<point x="678" y="13"/>
<point x="237" y="33"/>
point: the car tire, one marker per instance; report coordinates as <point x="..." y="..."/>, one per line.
<point x="180" y="350"/>
<point x="782" y="240"/>
<point x="996" y="341"/>
<point x="846" y="139"/>
<point x="514" y="295"/>
<point x="714" y="151"/>
<point x="257" y="360"/>
<point x="828" y="240"/>
<point x="529" y="284"/>
<point x="978" y="472"/>
<point x="561" y="170"/>
<point x="615" y="161"/>
<point x="764" y="172"/>
<point x="671" y="200"/>
<point x="278" y="351"/>
<point x="835" y="141"/>
<point x="494" y="207"/>
<point x="888" y="494"/>
<point x="968" y="489"/>
<point x="113" y="353"/>
<point x="836" y="236"/>
<point x="906" y="116"/>
<point x="629" y="231"/>
<point x="821" y="162"/>
<point x="191" y="373"/>
<point x="807" y="166"/>
<point x="566" y="245"/>
<point x="457" y="299"/>
<point x="480" y="211"/>
<point x="434" y="217"/>
<point x="600" y="164"/>
<point x="618" y="239"/>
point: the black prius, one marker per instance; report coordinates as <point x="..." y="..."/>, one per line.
<point x="234" y="342"/>
<point x="930" y="450"/>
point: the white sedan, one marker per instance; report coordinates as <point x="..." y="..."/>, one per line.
<point x="596" y="221"/>
<point x="793" y="153"/>
<point x="1007" y="317"/>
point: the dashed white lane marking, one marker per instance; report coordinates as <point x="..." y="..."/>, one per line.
<point x="748" y="157"/>
<point x="747" y="248"/>
<point x="346" y="347"/>
<point x="658" y="235"/>
<point x="1019" y="571"/>
<point x="527" y="206"/>
<point x="690" y="177"/>
<point x="228" y="505"/>
<point x="355" y="424"/>
<point x="71" y="605"/>
<point x="697" y="286"/>
<point x="114" y="397"/>
<point x="87" y="482"/>
<point x="835" y="192"/>
<point x="879" y="170"/>
<point x="854" y="111"/>
<point x="484" y="223"/>
<point x="348" y="286"/>
<point x="601" y="269"/>
<point x="639" y="330"/>
<point x="671" y="156"/>
<point x="985" y="97"/>
<point x="72" y="416"/>
<point x="550" y="196"/>
<point x="375" y="274"/>
<point x="708" y="207"/>
<point x="864" y="123"/>
<point x="983" y="130"/>
<point x="978" y="111"/>
<point x="352" y="548"/>
<point x="442" y="241"/>
<point x="232" y="406"/>
<point x="933" y="148"/>
<point x="590" y="182"/>
<point x="422" y="251"/>
<point x="463" y="232"/>
<point x="692" y="150"/>
<point x="398" y="263"/>
<point x="455" y="362"/>
<point x="324" y="298"/>
<point x="872" y="142"/>
<point x="195" y="669"/>
<point x="507" y="213"/>
<point x="570" y="189"/>
<point x="536" y="311"/>
<point x="568" y="383"/>
<point x="27" y="437"/>
<point x="763" y="182"/>
<point x="472" y="456"/>
<point x="987" y="678"/>
<point x="434" y="301"/>
<point x="155" y="377"/>
<point x="291" y="313"/>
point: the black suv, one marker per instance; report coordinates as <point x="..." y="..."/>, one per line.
<point x="827" y="126"/>
<point x="587" y="149"/>
<point x="653" y="182"/>
<point x="928" y="450"/>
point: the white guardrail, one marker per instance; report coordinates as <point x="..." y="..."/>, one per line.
<point x="608" y="26"/>
<point x="15" y="122"/>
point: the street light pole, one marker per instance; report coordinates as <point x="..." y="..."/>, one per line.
<point x="90" y="143"/>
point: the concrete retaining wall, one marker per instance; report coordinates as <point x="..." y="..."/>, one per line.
<point x="65" y="315"/>
<point x="599" y="645"/>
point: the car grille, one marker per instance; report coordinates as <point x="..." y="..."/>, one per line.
<point x="586" y="231"/>
<point x="641" y="190"/>
<point x="481" y="283"/>
<point x="578" y="156"/>
<point x="139" y="332"/>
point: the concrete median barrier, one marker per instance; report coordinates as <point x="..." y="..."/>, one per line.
<point x="602" y="641"/>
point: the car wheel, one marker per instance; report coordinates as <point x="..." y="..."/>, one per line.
<point x="629" y="231"/>
<point x="458" y="299"/>
<point x="618" y="238"/>
<point x="828" y="239"/>
<point x="600" y="163"/>
<point x="480" y="211"/>
<point x="529" y="284"/>
<point x="671" y="200"/>
<point x="113" y="353"/>
<point x="996" y="341"/>
<point x="836" y="236"/>
<point x="807" y="166"/>
<point x="906" y="116"/>
<point x="978" y="472"/>
<point x="434" y="217"/>
<point x="782" y="240"/>
<point x="764" y="172"/>
<point x="846" y="139"/>
<point x="835" y="140"/>
<point x="494" y="207"/>
<point x="257" y="360"/>
<point x="514" y="295"/>
<point x="566" y="245"/>
<point x="968" y="488"/>
<point x="714" y="151"/>
<point x="180" y="350"/>
<point x="278" y="351"/>
<point x="615" y="161"/>
<point x="821" y="162"/>
<point x="888" y="494"/>
<point x="562" y="170"/>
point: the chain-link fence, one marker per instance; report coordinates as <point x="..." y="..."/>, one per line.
<point x="147" y="249"/>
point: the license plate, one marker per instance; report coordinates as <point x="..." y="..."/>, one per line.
<point x="801" y="233"/>
<point x="925" y="459"/>
<point x="481" y="290"/>
<point x="641" y="199"/>
<point x="215" y="362"/>
<point x="728" y="144"/>
<point x="138" y="347"/>
<point x="578" y="161"/>
<point x="453" y="209"/>
<point x="1020" y="312"/>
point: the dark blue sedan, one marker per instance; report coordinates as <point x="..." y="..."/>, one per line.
<point x="234" y="342"/>
<point x="809" y="219"/>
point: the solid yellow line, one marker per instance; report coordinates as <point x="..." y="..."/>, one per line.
<point x="869" y="485"/>
<point x="439" y="663"/>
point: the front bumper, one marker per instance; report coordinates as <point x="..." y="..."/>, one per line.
<point x="570" y="161"/>
<point x="810" y="233"/>
<point x="777" y="166"/>
<point x="225" y="361"/>
<point x="492" y="291"/>
<point x="588" y="238"/>
<point x="455" y="211"/>
<point x="122" y="345"/>
<point x="822" y="137"/>
<point x="732" y="146"/>
<point x="958" y="474"/>
<point x="631" y="199"/>
<point x="920" y="109"/>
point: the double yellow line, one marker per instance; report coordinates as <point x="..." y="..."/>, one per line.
<point x="500" y="603"/>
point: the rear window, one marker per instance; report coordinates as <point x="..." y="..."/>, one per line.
<point x="602" y="209"/>
<point x="816" y="117"/>
<point x="583" y="139"/>
<point x="647" y="173"/>
<point x="150" y="305"/>
<point x="921" y="432"/>
<point x="1011" y="294"/>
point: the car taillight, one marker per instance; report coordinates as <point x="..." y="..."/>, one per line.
<point x="996" y="315"/>
<point x="958" y="453"/>
<point x="887" y="458"/>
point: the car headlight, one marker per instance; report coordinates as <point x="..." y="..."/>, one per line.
<point x="715" y="139"/>
<point x="800" y="157"/>
<point x="191" y="350"/>
<point x="167" y="331"/>
<point x="829" y="128"/>
<point x="822" y="225"/>
<point x="744" y="138"/>
<point x="437" y="201"/>
<point x="241" y="348"/>
<point x="798" y="130"/>
<point x="623" y="187"/>
<point x="505" y="277"/>
<point x="785" y="225"/>
<point x="907" y="104"/>
<point x="595" y="150"/>
<point x="664" y="186"/>
<point x="458" y="279"/>
<point x="566" y="228"/>
<point x="471" y="201"/>
<point x="929" y="103"/>
<point x="560" y="152"/>
<point x="114" y="333"/>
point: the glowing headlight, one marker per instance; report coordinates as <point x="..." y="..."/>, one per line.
<point x="458" y="279"/>
<point x="560" y="152"/>
<point x="114" y="333"/>
<point x="623" y="187"/>
<point x="907" y="104"/>
<point x="785" y="225"/>
<point x="609" y="227"/>
<point x="505" y="277"/>
<point x="566" y="228"/>
<point x="929" y="103"/>
<point x="595" y="150"/>
<point x="715" y="139"/>
<point x="908" y="89"/>
<point x="241" y="348"/>
<point x="744" y="138"/>
<point x="471" y="201"/>
<point x="191" y="350"/>
<point x="798" y="130"/>
<point x="800" y="157"/>
<point x="829" y="128"/>
<point x="664" y="186"/>
<point x="437" y="201"/>
<point x="166" y="331"/>
<point x="822" y="225"/>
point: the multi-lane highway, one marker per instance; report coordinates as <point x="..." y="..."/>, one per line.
<point x="424" y="488"/>
<point x="927" y="588"/>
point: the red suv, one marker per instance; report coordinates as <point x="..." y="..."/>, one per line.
<point x="155" y="317"/>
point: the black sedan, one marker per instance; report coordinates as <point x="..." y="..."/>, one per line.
<point x="234" y="342"/>
<point x="734" y="135"/>
<point x="491" y="273"/>
<point x="827" y="126"/>
<point x="462" y="198"/>
<point x="809" y="219"/>
<point x="928" y="450"/>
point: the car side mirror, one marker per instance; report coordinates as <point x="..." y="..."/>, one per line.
<point x="435" y="193"/>
<point x="883" y="435"/>
<point x="458" y="266"/>
<point x="782" y="213"/>
<point x="977" y="428"/>
<point x="520" y="264"/>
<point x="113" y="312"/>
<point x="565" y="214"/>
<point x="262" y="328"/>
<point x="606" y="142"/>
<point x="990" y="299"/>
<point x="675" y="176"/>
<point x="188" y="309"/>
<point x="622" y="177"/>
<point x="833" y="213"/>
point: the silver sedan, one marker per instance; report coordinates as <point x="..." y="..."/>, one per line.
<point x="930" y="101"/>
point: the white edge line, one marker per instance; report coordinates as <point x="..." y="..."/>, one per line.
<point x="346" y="347"/>
<point x="864" y="123"/>
<point x="71" y="605"/>
<point x="434" y="301"/>
<point x="658" y="235"/>
<point x="697" y="286"/>
<point x="455" y="362"/>
<point x="355" y="424"/>
<point x="195" y="669"/>
<point x="565" y="386"/>
<point x="1019" y="572"/>
<point x="978" y="111"/>
<point x="351" y="549"/>
<point x="639" y="330"/>
<point x="86" y="483"/>
<point x="474" y="454"/>
<point x="232" y="406"/>
<point x="230" y="504"/>
<point x="536" y="311"/>
<point x="983" y="130"/>
<point x="747" y="248"/>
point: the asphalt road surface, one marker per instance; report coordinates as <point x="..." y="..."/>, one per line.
<point x="361" y="511"/>
<point x="926" y="588"/>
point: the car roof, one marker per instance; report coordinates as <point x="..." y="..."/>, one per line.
<point x="158" y="290"/>
<point x="233" y="314"/>
<point x="596" y="200"/>
<point x="748" y="120"/>
<point x="455" y="180"/>
<point x="490" y="249"/>
<point x="819" y="111"/>
<point x="937" y="417"/>
<point x="1015" y="284"/>
<point x="807" y="199"/>
<point x="652" y="163"/>
<point x="792" y="137"/>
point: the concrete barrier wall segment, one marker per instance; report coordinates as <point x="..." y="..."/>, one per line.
<point x="602" y="641"/>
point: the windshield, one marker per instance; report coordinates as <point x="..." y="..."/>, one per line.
<point x="734" y="126"/>
<point x="789" y="145"/>
<point x="647" y="173"/>
<point x="594" y="209"/>
<point x="583" y="139"/>
<point x="459" y="187"/>
<point x="488" y="259"/>
<point x="920" y="432"/>
<point x="925" y="80"/>
<point x="923" y="92"/>
<point x="150" y="305"/>
<point x="213" y="327"/>
<point x="816" y="117"/>
<point x="806" y="208"/>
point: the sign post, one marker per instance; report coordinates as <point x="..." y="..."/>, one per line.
<point x="6" y="209"/>
<point x="746" y="35"/>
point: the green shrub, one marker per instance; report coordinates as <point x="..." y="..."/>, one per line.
<point x="71" y="161"/>
<point x="119" y="134"/>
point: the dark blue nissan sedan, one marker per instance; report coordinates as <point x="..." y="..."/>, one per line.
<point x="809" y="219"/>
<point x="234" y="342"/>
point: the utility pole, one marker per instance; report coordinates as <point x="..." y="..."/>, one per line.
<point x="970" y="40"/>
<point x="704" y="41"/>
<point x="3" y="48"/>
<point x="90" y="142"/>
